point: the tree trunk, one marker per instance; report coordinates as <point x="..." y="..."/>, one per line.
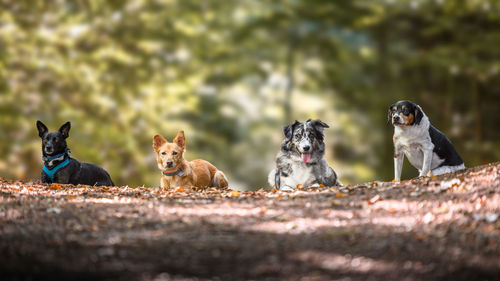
<point x="290" y="64"/>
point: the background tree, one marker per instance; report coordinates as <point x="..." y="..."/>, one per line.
<point x="232" y="73"/>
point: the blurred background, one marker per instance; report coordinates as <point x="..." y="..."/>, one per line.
<point x="233" y="73"/>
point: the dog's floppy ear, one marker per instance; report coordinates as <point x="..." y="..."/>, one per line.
<point x="180" y="140"/>
<point x="419" y="114"/>
<point x="64" y="130"/>
<point x="42" y="129"/>
<point x="389" y="114"/>
<point x="288" y="130"/>
<point x="158" y="141"/>
<point x="319" y="127"/>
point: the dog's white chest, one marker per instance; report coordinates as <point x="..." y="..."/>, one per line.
<point x="413" y="148"/>
<point x="301" y="174"/>
<point x="415" y="155"/>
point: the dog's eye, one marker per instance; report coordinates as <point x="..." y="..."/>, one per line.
<point x="174" y="153"/>
<point x="406" y="111"/>
<point x="163" y="153"/>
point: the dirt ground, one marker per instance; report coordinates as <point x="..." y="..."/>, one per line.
<point x="439" y="228"/>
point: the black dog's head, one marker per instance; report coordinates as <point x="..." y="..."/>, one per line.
<point x="53" y="143"/>
<point x="305" y="139"/>
<point x="404" y="113"/>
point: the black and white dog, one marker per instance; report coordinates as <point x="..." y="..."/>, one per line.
<point x="301" y="158"/>
<point x="59" y="167"/>
<point x="426" y="147"/>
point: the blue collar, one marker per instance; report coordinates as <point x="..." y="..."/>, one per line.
<point x="50" y="158"/>
<point x="179" y="173"/>
<point x="51" y="172"/>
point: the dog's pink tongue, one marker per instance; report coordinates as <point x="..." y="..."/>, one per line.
<point x="306" y="157"/>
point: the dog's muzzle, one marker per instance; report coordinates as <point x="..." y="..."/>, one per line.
<point x="396" y="120"/>
<point x="305" y="151"/>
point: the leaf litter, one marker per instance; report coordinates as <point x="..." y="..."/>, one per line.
<point x="442" y="227"/>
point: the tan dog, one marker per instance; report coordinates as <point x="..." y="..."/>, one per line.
<point x="177" y="172"/>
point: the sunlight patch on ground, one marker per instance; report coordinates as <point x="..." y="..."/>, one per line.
<point x="337" y="262"/>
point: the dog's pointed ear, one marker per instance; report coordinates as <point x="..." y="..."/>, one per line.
<point x="389" y="114"/>
<point x="42" y="129"/>
<point x="64" y="130"/>
<point x="419" y="114"/>
<point x="180" y="140"/>
<point x="158" y="141"/>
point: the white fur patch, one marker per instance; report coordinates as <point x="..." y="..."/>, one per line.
<point x="215" y="181"/>
<point x="447" y="169"/>
<point x="56" y="159"/>
<point x="301" y="174"/>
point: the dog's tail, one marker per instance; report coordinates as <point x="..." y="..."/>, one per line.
<point x="220" y="180"/>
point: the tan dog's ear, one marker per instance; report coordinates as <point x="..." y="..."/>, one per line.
<point x="180" y="140"/>
<point x="158" y="141"/>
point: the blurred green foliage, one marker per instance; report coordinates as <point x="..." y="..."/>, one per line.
<point x="232" y="73"/>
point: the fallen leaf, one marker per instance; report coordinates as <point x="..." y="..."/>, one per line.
<point x="374" y="199"/>
<point x="420" y="237"/>
<point x="179" y="189"/>
<point x="54" y="186"/>
<point x="428" y="218"/>
<point x="441" y="209"/>
<point x="335" y="202"/>
<point x="392" y="211"/>
<point x="340" y="195"/>
<point x="235" y="193"/>
<point x="54" y="210"/>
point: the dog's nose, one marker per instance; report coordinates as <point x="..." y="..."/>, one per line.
<point x="170" y="163"/>
<point x="396" y="118"/>
<point x="306" y="148"/>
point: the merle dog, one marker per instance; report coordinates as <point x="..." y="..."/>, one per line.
<point x="59" y="167"/>
<point x="301" y="158"/>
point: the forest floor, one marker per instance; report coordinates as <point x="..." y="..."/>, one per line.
<point x="438" y="228"/>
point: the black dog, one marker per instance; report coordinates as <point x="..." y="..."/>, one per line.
<point x="59" y="167"/>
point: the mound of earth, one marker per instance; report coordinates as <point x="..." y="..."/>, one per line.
<point x="439" y="228"/>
